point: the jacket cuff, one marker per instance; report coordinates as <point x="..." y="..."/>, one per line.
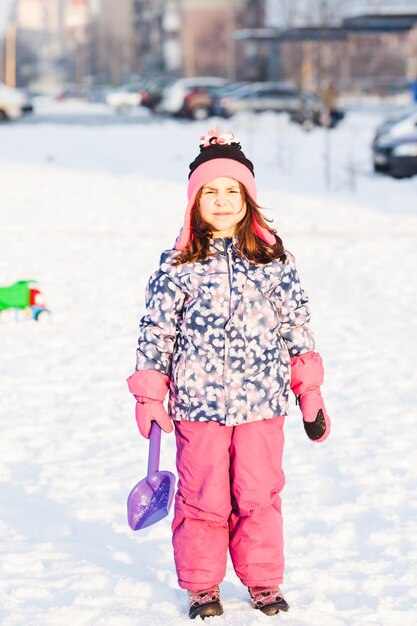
<point x="307" y="372"/>
<point x="148" y="384"/>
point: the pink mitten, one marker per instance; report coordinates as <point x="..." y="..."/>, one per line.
<point x="307" y="375"/>
<point x="149" y="388"/>
<point x="151" y="410"/>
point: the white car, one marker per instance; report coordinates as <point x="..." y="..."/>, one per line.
<point x="12" y="102"/>
<point x="125" y="97"/>
<point x="173" y="97"/>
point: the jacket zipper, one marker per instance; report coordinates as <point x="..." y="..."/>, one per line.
<point x="228" y="252"/>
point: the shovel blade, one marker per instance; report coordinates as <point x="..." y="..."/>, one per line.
<point x="150" y="500"/>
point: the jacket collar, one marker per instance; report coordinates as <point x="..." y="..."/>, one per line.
<point x="220" y="244"/>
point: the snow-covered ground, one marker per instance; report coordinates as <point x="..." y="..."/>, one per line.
<point x="87" y="203"/>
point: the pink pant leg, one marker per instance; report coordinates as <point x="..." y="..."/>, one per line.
<point x="202" y="503"/>
<point x="256" y="535"/>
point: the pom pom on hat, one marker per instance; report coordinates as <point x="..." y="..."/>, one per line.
<point x="220" y="146"/>
<point x="220" y="156"/>
<point x="214" y="137"/>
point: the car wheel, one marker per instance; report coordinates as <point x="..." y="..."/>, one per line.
<point x="397" y="170"/>
<point x="379" y="168"/>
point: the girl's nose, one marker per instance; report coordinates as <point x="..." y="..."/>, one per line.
<point x="220" y="199"/>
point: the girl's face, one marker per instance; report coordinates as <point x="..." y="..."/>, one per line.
<point x="222" y="205"/>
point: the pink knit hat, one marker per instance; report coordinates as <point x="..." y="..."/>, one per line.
<point x="220" y="156"/>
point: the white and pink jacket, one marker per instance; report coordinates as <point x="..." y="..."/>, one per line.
<point x="223" y="331"/>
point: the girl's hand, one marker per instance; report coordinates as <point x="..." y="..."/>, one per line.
<point x="315" y="418"/>
<point x="307" y="375"/>
<point x="151" y="410"/>
<point x="150" y="388"/>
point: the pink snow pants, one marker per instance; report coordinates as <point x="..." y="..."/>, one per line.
<point x="230" y="478"/>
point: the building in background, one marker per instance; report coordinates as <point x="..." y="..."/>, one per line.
<point x="77" y="60"/>
<point x="115" y="43"/>
<point x="157" y="22"/>
<point x="381" y="45"/>
<point x="207" y="37"/>
<point x="39" y="39"/>
<point x="365" y="46"/>
<point x="255" y="56"/>
<point x="171" y="37"/>
<point x="51" y="42"/>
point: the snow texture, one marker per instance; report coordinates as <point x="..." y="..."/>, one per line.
<point x="87" y="203"/>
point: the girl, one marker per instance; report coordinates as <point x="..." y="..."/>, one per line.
<point x="227" y="333"/>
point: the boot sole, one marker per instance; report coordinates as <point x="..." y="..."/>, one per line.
<point x="274" y="607"/>
<point x="209" y="609"/>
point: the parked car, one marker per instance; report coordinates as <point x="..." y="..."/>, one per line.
<point x="125" y="97"/>
<point x="174" y="95"/>
<point x="97" y="93"/>
<point x="22" y="301"/>
<point x="396" y="125"/>
<point x="259" y="97"/>
<point x="396" y="156"/>
<point x="12" y="102"/>
<point x="224" y="91"/>
<point x="70" y="92"/>
<point x="198" y="103"/>
<point x="152" y="90"/>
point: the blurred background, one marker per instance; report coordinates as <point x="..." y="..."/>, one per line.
<point x="313" y="60"/>
<point x="363" y="46"/>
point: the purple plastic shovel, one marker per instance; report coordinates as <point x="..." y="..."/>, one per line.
<point x="150" y="500"/>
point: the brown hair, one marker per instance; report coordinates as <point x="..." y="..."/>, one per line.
<point x="250" y="245"/>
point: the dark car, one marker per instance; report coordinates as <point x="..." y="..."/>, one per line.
<point x="152" y="91"/>
<point x="267" y="96"/>
<point x="396" y="156"/>
<point x="255" y="97"/>
<point x="386" y="127"/>
<point x="197" y="103"/>
<point x="173" y="97"/>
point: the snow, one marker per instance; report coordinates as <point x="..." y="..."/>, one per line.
<point x="88" y="200"/>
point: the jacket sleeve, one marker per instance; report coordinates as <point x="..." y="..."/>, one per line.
<point x="294" y="311"/>
<point x="158" y="328"/>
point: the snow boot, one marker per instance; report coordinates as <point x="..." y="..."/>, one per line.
<point x="205" y="603"/>
<point x="269" y="600"/>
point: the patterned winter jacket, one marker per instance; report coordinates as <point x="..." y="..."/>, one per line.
<point x="224" y="330"/>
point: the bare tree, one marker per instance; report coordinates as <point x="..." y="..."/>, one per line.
<point x="284" y="13"/>
<point x="292" y="13"/>
<point x="324" y="12"/>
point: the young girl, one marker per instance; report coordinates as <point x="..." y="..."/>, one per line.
<point x="227" y="333"/>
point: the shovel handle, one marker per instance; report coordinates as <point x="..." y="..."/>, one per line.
<point x="154" y="449"/>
